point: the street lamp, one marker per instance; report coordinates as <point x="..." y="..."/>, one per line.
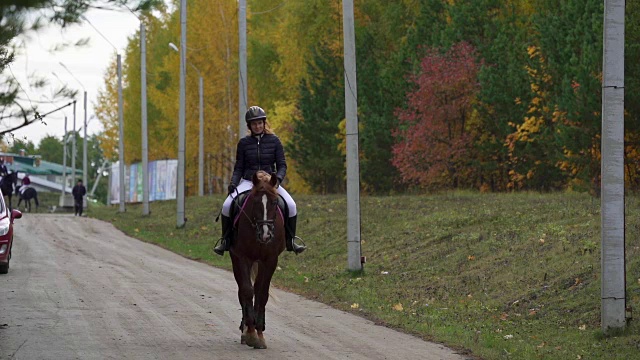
<point x="201" y="137"/>
<point x="180" y="216"/>
<point x="143" y="114"/>
<point x="120" y="118"/>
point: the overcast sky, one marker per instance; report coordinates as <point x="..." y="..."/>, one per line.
<point x="88" y="64"/>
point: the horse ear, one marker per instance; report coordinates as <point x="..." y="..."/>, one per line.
<point x="274" y="180"/>
<point x="254" y="179"/>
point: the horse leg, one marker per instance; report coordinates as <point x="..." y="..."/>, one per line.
<point x="242" y="274"/>
<point x="263" y="282"/>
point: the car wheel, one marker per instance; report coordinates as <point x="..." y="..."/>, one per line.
<point x="4" y="269"/>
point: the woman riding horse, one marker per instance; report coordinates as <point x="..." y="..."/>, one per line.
<point x="260" y="239"/>
<point x="261" y="149"/>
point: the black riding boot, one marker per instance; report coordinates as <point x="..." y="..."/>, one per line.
<point x="291" y="235"/>
<point x="225" y="241"/>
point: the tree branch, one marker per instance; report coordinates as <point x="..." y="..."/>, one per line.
<point x="37" y="117"/>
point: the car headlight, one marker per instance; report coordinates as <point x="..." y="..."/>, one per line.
<point x="4" y="228"/>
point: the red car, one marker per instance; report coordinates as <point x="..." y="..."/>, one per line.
<point x="6" y="233"/>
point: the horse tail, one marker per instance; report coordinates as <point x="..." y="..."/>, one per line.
<point x="254" y="272"/>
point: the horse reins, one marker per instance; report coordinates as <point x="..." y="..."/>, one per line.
<point x="270" y="223"/>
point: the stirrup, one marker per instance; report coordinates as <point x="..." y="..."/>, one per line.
<point x="220" y="247"/>
<point x="297" y="249"/>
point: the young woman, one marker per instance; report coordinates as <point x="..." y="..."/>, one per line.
<point x="259" y="150"/>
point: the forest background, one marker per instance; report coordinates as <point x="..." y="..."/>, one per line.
<point x="493" y="95"/>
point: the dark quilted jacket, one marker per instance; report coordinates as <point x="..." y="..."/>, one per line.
<point x="253" y="154"/>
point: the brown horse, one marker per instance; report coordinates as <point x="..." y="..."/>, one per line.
<point x="259" y="240"/>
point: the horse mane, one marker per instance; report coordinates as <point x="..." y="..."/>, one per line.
<point x="264" y="185"/>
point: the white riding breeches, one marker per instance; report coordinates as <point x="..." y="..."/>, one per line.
<point x="247" y="185"/>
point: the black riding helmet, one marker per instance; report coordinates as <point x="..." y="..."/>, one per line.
<point x="255" y="113"/>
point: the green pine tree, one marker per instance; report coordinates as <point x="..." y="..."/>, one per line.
<point x="314" y="145"/>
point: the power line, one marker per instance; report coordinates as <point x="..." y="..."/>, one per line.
<point x="70" y="73"/>
<point x="21" y="88"/>
<point x="98" y="31"/>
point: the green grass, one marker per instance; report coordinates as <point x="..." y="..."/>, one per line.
<point x="504" y="276"/>
<point x="46" y="199"/>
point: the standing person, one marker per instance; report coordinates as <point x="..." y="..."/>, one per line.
<point x="3" y="168"/>
<point x="261" y="149"/>
<point x="78" y="193"/>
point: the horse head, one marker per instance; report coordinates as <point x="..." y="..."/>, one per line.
<point x="264" y="205"/>
<point x="10" y="178"/>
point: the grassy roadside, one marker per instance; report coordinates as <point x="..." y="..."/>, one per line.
<point x="502" y="275"/>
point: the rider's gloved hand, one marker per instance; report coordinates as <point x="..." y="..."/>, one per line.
<point x="231" y="188"/>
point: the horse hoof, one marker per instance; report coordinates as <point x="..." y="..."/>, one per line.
<point x="260" y="345"/>
<point x="243" y="339"/>
<point x="256" y="343"/>
<point x="252" y="341"/>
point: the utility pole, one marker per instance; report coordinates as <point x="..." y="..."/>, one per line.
<point x="84" y="144"/>
<point x="120" y="121"/>
<point x="145" y="143"/>
<point x="73" y="147"/>
<point x="84" y="140"/>
<point x="242" y="62"/>
<point x="613" y="288"/>
<point x="64" y="165"/>
<point x="121" y="135"/>
<point x="351" y="111"/>
<point x="180" y="216"/>
<point x="201" y="117"/>
<point x="201" y="139"/>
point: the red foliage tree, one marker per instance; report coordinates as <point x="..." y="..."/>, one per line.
<point x="434" y="137"/>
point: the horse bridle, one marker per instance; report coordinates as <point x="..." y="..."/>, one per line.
<point x="258" y="224"/>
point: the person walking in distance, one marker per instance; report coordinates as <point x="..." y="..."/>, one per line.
<point x="79" y="191"/>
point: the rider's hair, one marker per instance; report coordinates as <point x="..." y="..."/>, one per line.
<point x="267" y="128"/>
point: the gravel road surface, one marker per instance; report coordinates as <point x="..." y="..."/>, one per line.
<point x="80" y="289"/>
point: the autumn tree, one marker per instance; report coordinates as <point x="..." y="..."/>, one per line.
<point x="570" y="63"/>
<point x="532" y="150"/>
<point x="384" y="58"/>
<point x="106" y="110"/>
<point x="435" y="135"/>
<point x="211" y="38"/>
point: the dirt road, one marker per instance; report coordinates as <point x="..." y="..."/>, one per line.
<point x="80" y="289"/>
